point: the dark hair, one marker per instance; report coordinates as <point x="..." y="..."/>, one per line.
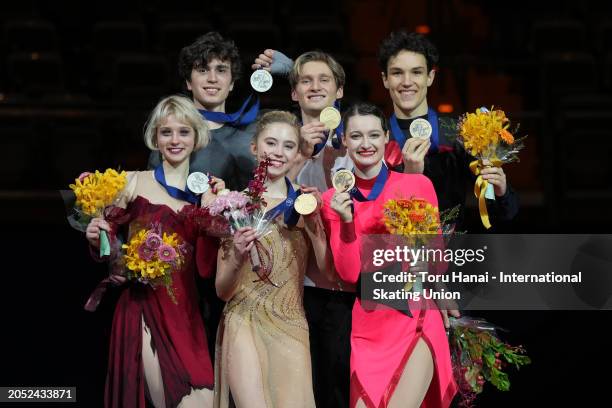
<point x="363" y="109"/>
<point x="207" y="47"/>
<point x="399" y="41"/>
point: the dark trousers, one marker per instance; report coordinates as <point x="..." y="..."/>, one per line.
<point x="211" y="308"/>
<point x="329" y="315"/>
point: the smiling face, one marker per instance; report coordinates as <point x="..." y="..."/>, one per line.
<point x="316" y="88"/>
<point x="365" y="140"/>
<point x="211" y="84"/>
<point x="280" y="142"/>
<point x="407" y="80"/>
<point x="175" y="140"/>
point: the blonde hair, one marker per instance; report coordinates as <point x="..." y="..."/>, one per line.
<point x="184" y="111"/>
<point x="278" y="116"/>
<point x="334" y="66"/>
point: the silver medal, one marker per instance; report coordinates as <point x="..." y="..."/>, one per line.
<point x="197" y="182"/>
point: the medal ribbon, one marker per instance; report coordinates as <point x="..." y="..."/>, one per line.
<point x="238" y="118"/>
<point x="379" y="184"/>
<point x="173" y="191"/>
<point x="290" y="216"/>
<point x="400" y="138"/>
<point x="335" y="142"/>
<point x="480" y="188"/>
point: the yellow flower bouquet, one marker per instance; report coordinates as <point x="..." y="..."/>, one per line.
<point x="418" y="222"/>
<point x="485" y="135"/>
<point x="151" y="256"/>
<point x="414" y="218"/>
<point x="92" y="194"/>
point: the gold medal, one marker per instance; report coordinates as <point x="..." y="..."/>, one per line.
<point x="305" y="204"/>
<point x="330" y="117"/>
<point x="343" y="180"/>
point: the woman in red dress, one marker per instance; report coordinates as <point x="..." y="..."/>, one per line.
<point x="158" y="347"/>
<point x="397" y="360"/>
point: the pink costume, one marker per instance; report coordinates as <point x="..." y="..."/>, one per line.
<point x="383" y="339"/>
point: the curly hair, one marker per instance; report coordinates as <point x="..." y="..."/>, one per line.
<point x="399" y="41"/>
<point x="207" y="47"/>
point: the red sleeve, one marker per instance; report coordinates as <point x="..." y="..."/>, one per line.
<point x="427" y="191"/>
<point x="206" y="255"/>
<point x="344" y="242"/>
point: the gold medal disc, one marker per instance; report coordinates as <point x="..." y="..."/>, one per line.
<point x="305" y="204"/>
<point x="343" y="180"/>
<point x="330" y="117"/>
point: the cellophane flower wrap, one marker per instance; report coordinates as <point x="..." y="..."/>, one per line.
<point x="479" y="355"/>
<point x="152" y="256"/>
<point x="232" y="210"/>
<point x="486" y="136"/>
<point x="419" y="225"/>
<point x="92" y="194"/>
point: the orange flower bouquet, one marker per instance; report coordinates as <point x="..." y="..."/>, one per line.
<point x="417" y="220"/>
<point x="485" y="135"/>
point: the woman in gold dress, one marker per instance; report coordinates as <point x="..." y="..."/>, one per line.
<point x="263" y="357"/>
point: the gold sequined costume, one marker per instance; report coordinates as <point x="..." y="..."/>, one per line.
<point x="263" y="333"/>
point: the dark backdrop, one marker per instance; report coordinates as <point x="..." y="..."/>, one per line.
<point x="78" y="78"/>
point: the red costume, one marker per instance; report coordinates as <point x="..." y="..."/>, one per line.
<point x="177" y="330"/>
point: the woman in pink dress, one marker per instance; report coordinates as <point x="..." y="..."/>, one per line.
<point x="397" y="360"/>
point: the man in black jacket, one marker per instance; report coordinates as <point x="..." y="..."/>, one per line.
<point x="407" y="62"/>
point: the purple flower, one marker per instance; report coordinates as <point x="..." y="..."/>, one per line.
<point x="166" y="253"/>
<point x="153" y="241"/>
<point x="145" y="253"/>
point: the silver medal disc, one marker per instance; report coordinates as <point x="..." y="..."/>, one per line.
<point x="197" y="182"/>
<point x="420" y="128"/>
<point x="261" y="80"/>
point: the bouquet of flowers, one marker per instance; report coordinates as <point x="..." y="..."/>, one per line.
<point x="151" y="256"/>
<point x="478" y="355"/>
<point x="485" y="135"/>
<point x="92" y="194"/>
<point x="417" y="220"/>
<point x="419" y="223"/>
<point x="232" y="210"/>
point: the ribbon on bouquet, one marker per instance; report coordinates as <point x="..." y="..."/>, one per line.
<point x="480" y="188"/>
